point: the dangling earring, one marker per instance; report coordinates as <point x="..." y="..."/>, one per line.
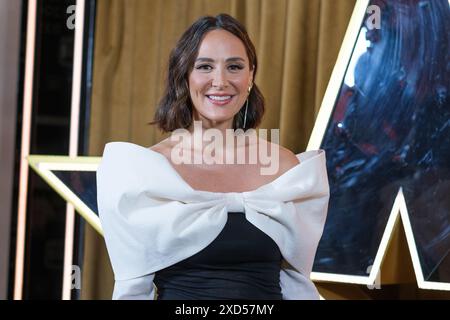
<point x="246" y="108"/>
<point x="245" y="115"/>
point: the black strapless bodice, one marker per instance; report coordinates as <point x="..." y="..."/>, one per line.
<point x="241" y="263"/>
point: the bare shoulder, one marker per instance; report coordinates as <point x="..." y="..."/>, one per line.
<point x="163" y="147"/>
<point x="287" y="159"/>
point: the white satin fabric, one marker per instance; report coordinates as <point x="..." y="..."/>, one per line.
<point x="153" y="219"/>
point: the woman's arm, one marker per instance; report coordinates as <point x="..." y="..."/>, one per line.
<point x="140" y="288"/>
<point x="295" y="286"/>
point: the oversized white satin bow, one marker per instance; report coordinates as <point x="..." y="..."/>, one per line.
<point x="153" y="219"/>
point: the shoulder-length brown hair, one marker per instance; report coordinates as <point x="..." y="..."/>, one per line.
<point x="175" y="108"/>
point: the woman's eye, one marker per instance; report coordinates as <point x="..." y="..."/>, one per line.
<point x="235" y="67"/>
<point x="207" y="67"/>
<point x="203" y="67"/>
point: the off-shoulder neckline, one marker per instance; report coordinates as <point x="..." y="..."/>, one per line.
<point x="303" y="157"/>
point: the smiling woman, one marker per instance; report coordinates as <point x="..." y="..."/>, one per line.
<point x="211" y="78"/>
<point x="222" y="76"/>
<point x="211" y="231"/>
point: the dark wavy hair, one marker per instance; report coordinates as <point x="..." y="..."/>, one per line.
<point x="175" y="108"/>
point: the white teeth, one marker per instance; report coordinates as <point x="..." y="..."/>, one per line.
<point x="220" y="98"/>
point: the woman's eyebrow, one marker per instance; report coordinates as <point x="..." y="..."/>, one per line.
<point x="202" y="59"/>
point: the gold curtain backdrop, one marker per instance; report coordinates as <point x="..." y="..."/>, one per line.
<point x="297" y="43"/>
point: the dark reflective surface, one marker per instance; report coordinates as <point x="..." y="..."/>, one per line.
<point x="49" y="134"/>
<point x="83" y="184"/>
<point x="390" y="128"/>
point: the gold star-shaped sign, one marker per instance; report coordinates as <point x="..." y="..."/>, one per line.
<point x="388" y="153"/>
<point x="73" y="178"/>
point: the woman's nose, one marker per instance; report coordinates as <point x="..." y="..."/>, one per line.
<point x="219" y="78"/>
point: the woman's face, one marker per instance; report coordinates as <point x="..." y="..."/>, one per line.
<point x="219" y="80"/>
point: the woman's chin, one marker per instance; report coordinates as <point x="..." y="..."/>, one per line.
<point x="216" y="120"/>
<point x="218" y="115"/>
